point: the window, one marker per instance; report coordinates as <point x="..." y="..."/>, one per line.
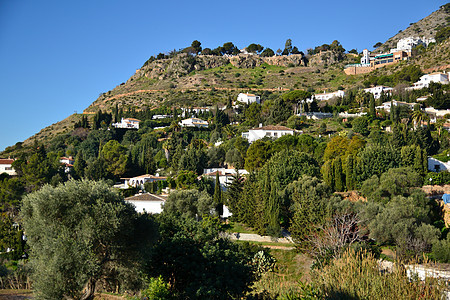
<point x="275" y="134"/>
<point x="267" y="133"/>
<point x="8" y="168"/>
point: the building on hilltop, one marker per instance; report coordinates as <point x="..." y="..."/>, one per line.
<point x="272" y="131"/>
<point x="127" y="123"/>
<point x="248" y="98"/>
<point x="408" y="43"/>
<point x="194" y="122"/>
<point x="6" y="166"/>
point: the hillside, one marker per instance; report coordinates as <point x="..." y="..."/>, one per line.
<point x="184" y="80"/>
<point x="426" y="27"/>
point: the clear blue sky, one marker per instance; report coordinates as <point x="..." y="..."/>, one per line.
<point x="56" y="57"/>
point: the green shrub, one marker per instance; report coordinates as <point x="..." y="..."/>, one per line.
<point x="441" y="250"/>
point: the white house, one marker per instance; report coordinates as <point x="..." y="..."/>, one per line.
<point x="5" y="166"/>
<point x="67" y="162"/>
<point x="147" y="202"/>
<point x="435" y="165"/>
<point x="273" y="131"/>
<point x="328" y="96"/>
<point x="225" y="175"/>
<point x="436" y="113"/>
<point x="425" y="80"/>
<point x="194" y="122"/>
<point x="128" y="123"/>
<point x="139" y="181"/>
<point x="248" y="98"/>
<point x="387" y="105"/>
<point x="377" y="90"/>
<point x="408" y="43"/>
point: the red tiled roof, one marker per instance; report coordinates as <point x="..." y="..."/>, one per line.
<point x="132" y="119"/>
<point x="273" y="127"/>
<point x="6" y="161"/>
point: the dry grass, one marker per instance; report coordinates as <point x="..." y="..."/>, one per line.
<point x="358" y="276"/>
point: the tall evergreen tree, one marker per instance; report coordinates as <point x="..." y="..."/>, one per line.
<point x="372" y="111"/>
<point x="350" y="174"/>
<point x="338" y="175"/>
<point x="218" y="201"/>
<point x="272" y="211"/>
<point x="79" y="165"/>
<point x="328" y="174"/>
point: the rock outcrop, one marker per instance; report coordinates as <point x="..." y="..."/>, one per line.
<point x="182" y="64"/>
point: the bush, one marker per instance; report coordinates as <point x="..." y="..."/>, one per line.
<point x="157" y="290"/>
<point x="441" y="251"/>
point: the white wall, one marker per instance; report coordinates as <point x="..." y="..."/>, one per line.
<point x="153" y="207"/>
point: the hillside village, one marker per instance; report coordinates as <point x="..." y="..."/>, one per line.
<point x="243" y="174"/>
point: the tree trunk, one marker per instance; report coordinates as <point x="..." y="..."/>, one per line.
<point x="89" y="290"/>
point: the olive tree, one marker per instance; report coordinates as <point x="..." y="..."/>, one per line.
<point x="80" y="233"/>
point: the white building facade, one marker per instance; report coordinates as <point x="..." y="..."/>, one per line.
<point x="147" y="203"/>
<point x="139" y="181"/>
<point x="225" y="175"/>
<point x="328" y="96"/>
<point x="425" y="80"/>
<point x="272" y="131"/>
<point x="248" y="98"/>
<point x="128" y="123"/>
<point x="194" y="122"/>
<point x="6" y="166"/>
<point x="377" y="90"/>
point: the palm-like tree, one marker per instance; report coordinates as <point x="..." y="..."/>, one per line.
<point x="418" y="116"/>
<point x="229" y="131"/>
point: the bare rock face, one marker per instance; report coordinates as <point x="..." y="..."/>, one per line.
<point x="246" y="61"/>
<point x="293" y="60"/>
<point x="326" y="57"/>
<point x="204" y="62"/>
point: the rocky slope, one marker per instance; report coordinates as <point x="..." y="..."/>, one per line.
<point x="426" y="27"/>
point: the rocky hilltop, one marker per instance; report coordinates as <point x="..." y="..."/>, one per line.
<point x="183" y="64"/>
<point x="426" y="27"/>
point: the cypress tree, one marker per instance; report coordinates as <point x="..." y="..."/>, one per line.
<point x="273" y="212"/>
<point x="79" y="165"/>
<point x="349" y="173"/>
<point x="218" y="196"/>
<point x="338" y="180"/>
<point x="372" y="111"/>
<point x="328" y="174"/>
